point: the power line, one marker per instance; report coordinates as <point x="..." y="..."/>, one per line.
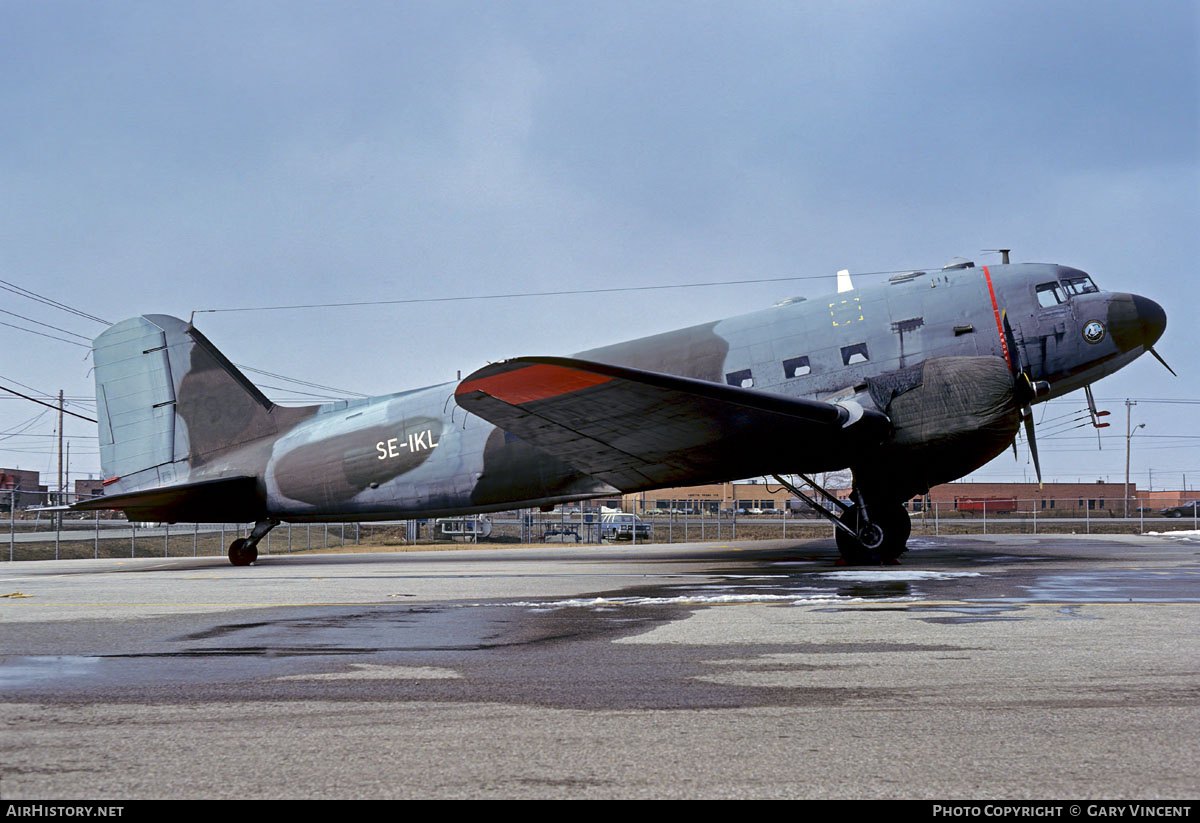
<point x="43" y="334"/>
<point x="298" y="382"/>
<point x="47" y="405"/>
<point x="40" y="298"/>
<point x="48" y="396"/>
<point x="47" y="325"/>
<point x="542" y="293"/>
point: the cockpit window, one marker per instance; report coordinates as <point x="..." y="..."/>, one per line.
<point x="1049" y="294"/>
<point x="1079" y="284"/>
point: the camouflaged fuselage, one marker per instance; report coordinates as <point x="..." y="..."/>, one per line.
<point x="417" y="453"/>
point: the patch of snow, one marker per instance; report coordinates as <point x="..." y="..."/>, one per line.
<point x="894" y="576"/>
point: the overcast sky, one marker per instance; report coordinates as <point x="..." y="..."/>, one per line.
<point x="167" y="157"/>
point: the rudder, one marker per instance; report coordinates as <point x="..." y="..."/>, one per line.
<point x="167" y="399"/>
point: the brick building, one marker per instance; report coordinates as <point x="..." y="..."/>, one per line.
<point x="26" y="486"/>
<point x="88" y="488"/>
<point x="1097" y="496"/>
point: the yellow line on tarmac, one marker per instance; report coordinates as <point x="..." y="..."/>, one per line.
<point x="105" y="604"/>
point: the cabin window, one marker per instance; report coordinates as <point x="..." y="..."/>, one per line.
<point x="1049" y="295"/>
<point x="742" y="379"/>
<point x="852" y="355"/>
<point x="796" y="367"/>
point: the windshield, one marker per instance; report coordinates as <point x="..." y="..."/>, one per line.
<point x="1052" y="294"/>
<point x="1079" y="284"/>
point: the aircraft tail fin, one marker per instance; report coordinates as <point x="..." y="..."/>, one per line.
<point x="166" y="399"/>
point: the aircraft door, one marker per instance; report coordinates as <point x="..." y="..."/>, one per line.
<point x="1045" y="336"/>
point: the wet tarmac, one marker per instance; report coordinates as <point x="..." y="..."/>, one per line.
<point x="715" y="669"/>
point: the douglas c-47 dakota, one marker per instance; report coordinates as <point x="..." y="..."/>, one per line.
<point x="913" y="382"/>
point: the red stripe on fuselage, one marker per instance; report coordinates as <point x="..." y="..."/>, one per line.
<point x="999" y="326"/>
<point x="534" y="382"/>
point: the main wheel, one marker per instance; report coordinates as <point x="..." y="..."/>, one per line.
<point x="242" y="552"/>
<point x="880" y="541"/>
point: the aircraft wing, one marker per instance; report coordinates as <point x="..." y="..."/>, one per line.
<point x="637" y="429"/>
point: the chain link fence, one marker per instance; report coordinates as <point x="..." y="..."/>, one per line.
<point x="40" y="535"/>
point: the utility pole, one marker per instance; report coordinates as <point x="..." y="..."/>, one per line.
<point x="1128" y="436"/>
<point x="60" y="453"/>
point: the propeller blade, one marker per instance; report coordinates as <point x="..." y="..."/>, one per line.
<point x="1158" y="357"/>
<point x="1015" y="358"/>
<point x="1027" y="413"/>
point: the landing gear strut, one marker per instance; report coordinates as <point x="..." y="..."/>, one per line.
<point x="244" y="550"/>
<point x="866" y="534"/>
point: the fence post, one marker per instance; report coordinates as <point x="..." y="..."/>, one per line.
<point x="57" y="532"/>
<point x="96" y="540"/>
<point x="132" y="537"/>
<point x="1087" y="519"/>
<point x="985" y="517"/>
<point x="166" y="537"/>
<point x="1035" y="517"/>
<point x="195" y="537"/>
<point x="12" y="522"/>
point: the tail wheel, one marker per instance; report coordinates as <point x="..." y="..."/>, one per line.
<point x="242" y="552"/>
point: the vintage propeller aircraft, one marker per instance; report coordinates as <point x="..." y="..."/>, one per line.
<point x="908" y="383"/>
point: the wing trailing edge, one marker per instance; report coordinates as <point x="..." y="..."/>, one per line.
<point x="236" y="499"/>
<point x="637" y="429"/>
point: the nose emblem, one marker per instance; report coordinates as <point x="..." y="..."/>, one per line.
<point x="1093" y="332"/>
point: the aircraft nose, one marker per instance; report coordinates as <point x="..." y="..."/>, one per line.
<point x="1135" y="321"/>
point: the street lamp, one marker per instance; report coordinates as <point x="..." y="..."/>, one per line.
<point x="1128" y="437"/>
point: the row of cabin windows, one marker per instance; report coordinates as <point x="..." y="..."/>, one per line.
<point x="852" y="355"/>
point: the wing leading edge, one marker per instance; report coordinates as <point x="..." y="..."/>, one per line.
<point x="637" y="429"/>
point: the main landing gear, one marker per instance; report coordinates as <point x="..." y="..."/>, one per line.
<point x="866" y="534"/>
<point x="244" y="550"/>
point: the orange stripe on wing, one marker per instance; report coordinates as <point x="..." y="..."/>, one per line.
<point x="535" y="382"/>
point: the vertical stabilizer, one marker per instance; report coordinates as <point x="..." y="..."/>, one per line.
<point x="167" y="401"/>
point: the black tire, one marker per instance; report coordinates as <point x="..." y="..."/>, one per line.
<point x="887" y="535"/>
<point x="897" y="525"/>
<point x="242" y="552"/>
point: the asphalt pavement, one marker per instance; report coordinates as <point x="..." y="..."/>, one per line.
<point x="999" y="667"/>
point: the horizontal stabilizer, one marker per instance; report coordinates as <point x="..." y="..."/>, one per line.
<point x="227" y="500"/>
<point x="637" y="429"/>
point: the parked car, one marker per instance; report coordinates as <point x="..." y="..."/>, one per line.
<point x="623" y="527"/>
<point x="1188" y="509"/>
